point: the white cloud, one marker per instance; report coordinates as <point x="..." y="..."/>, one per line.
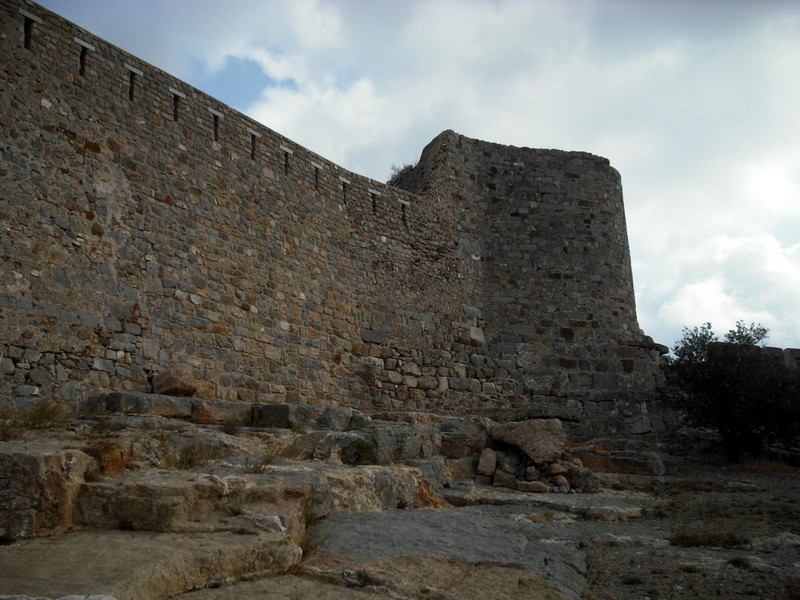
<point x="728" y="278"/>
<point x="709" y="300"/>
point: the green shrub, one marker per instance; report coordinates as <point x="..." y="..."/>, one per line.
<point x="735" y="387"/>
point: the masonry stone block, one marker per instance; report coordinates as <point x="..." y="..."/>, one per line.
<point x="372" y="336"/>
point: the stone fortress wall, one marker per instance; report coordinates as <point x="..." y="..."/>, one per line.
<point x="788" y="357"/>
<point x="147" y="228"/>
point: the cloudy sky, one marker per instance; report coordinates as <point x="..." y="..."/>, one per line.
<point x="696" y="103"/>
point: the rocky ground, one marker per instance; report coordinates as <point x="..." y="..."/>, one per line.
<point x="155" y="497"/>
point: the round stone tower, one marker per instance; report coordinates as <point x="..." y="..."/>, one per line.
<point x="543" y="250"/>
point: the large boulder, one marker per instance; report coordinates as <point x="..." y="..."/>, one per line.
<point x="542" y="440"/>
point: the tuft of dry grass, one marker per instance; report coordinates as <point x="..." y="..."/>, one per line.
<point x="232" y="425"/>
<point x="193" y="456"/>
<point x="599" y="567"/>
<point x="709" y="538"/>
<point x="690" y="484"/>
<point x="768" y="465"/>
<point x="269" y="457"/>
<point x="43" y="414"/>
<point x="741" y="562"/>
<point x="10" y="427"/>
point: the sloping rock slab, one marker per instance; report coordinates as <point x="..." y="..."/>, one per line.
<point x="284" y="587"/>
<point x="138" y="565"/>
<point x="459" y="538"/>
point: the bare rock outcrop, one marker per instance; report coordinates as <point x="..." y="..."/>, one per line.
<point x="228" y="491"/>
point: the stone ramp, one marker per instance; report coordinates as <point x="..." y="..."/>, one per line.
<point x="377" y="544"/>
<point x="129" y="565"/>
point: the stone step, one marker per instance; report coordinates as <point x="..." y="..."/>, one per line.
<point x="283" y="497"/>
<point x="185" y="501"/>
<point x="195" y="409"/>
<point x="140" y="565"/>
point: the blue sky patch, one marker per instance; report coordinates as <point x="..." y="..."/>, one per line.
<point x="238" y="85"/>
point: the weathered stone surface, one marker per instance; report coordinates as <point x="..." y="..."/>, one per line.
<point x="70" y="597"/>
<point x="610" y="460"/>
<point x="339" y="447"/>
<point x="373" y="337"/>
<point x="483" y="480"/>
<point x="463" y="539"/>
<point x="457" y="445"/>
<point x="39" y="487"/>
<point x="398" y="441"/>
<point x="532" y="474"/>
<point x="505" y="480"/>
<point x="580" y="478"/>
<point x="462" y="468"/>
<point x="166" y="501"/>
<point x="139" y="565"/>
<point x="173" y="384"/>
<point x="308" y="417"/>
<point x="462" y="436"/>
<point x="427" y="382"/>
<point x="223" y="518"/>
<point x="538" y="487"/>
<point x="542" y="440"/>
<point x="487" y="463"/>
<point x="168" y="406"/>
<point x="613" y="513"/>
<point x="560" y="481"/>
<point x="380" y="442"/>
<point x="287" y="587"/>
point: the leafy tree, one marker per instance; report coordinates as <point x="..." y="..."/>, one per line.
<point x="737" y="388"/>
<point x="752" y="334"/>
<point x="692" y="348"/>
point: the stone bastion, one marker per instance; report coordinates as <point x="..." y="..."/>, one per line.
<point x="149" y="232"/>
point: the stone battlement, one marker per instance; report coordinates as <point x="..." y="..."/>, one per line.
<point x="149" y="229"/>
